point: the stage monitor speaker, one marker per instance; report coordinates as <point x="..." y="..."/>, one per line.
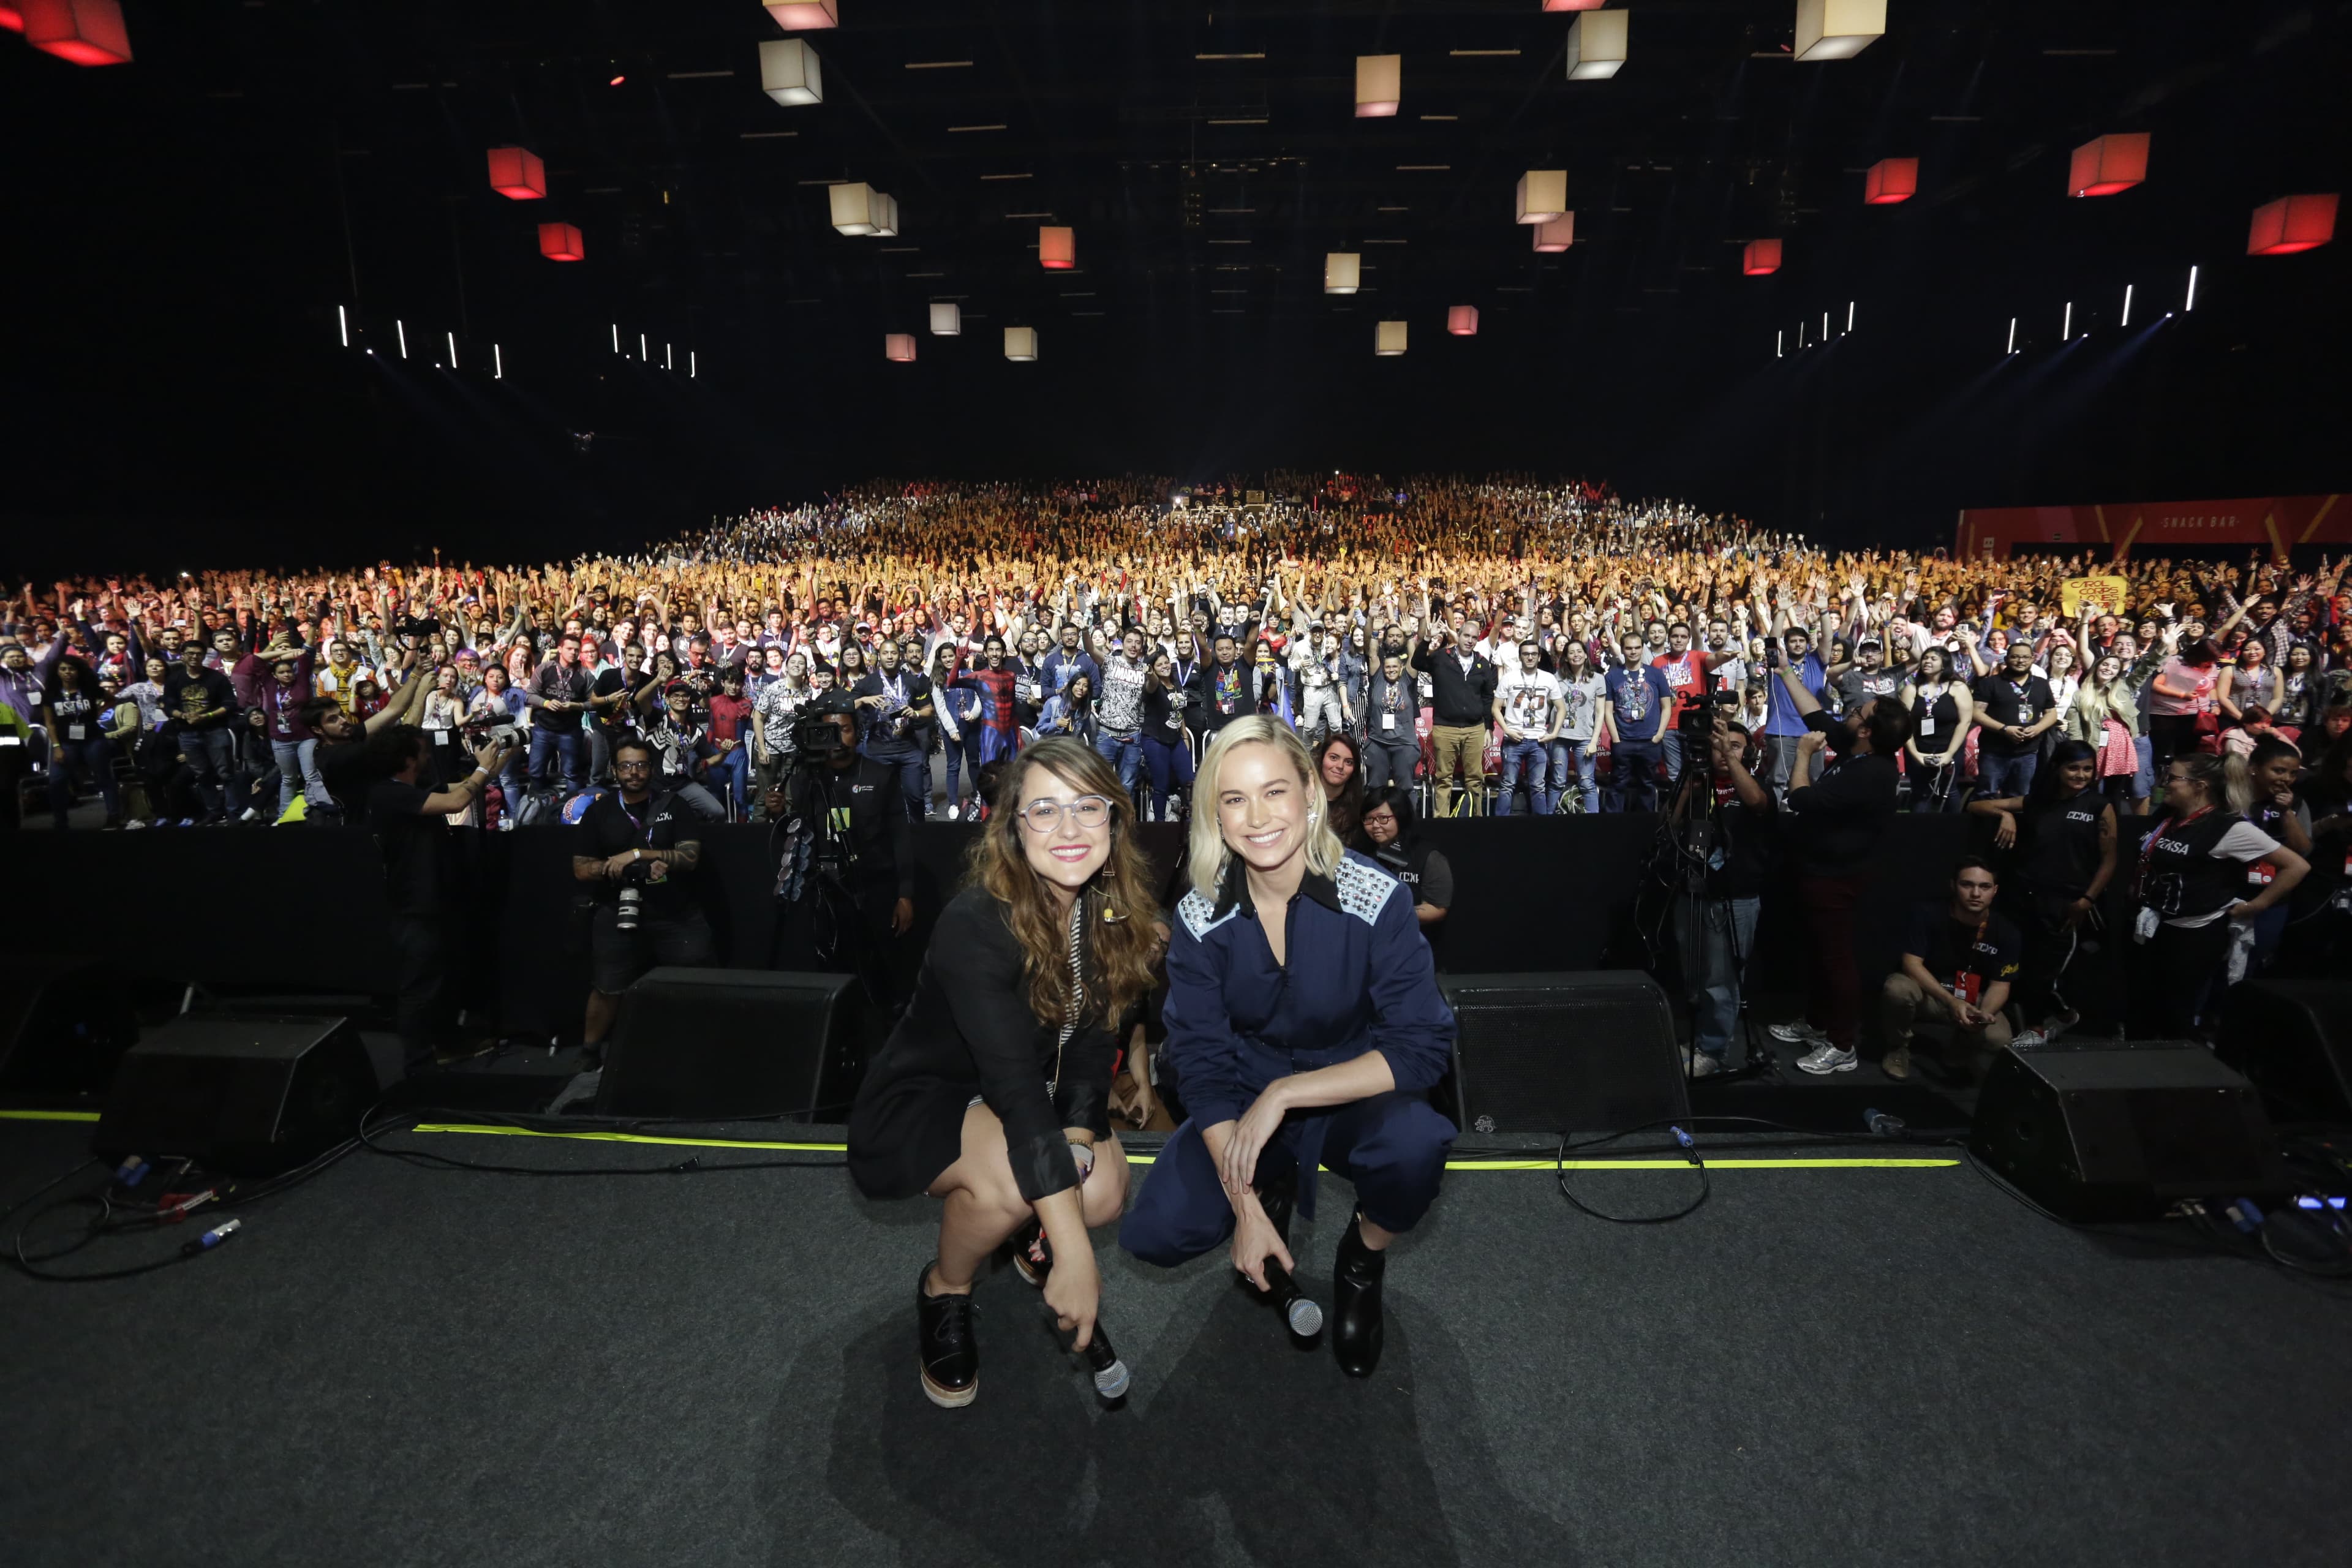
<point x="2292" y="1038"/>
<point x="63" y="1025"/>
<point x="716" y="1045"/>
<point x="1591" y="1051"/>
<point x="2119" y="1131"/>
<point x="251" y="1095"/>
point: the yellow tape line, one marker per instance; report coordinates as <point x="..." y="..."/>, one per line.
<point x="1532" y="1165"/>
<point x="48" y="1115"/>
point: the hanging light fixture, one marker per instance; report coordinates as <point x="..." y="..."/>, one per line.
<point x="805" y="16"/>
<point x="1541" y="196"/>
<point x="1571" y="5"/>
<point x="86" y="32"/>
<point x="1461" y="320"/>
<point x="1838" y="29"/>
<point x="2106" y="165"/>
<point x="898" y="347"/>
<point x="1058" y="249"/>
<point x="516" y="173"/>
<point x="1557" y="234"/>
<point x="1388" y="339"/>
<point x="1761" y="258"/>
<point x="1596" y="44"/>
<point x="2290" y="223"/>
<point x="789" y="72"/>
<point x="946" y="318"/>
<point x="561" y="242"/>
<point x="1379" y="85"/>
<point x="1343" y="271"/>
<point x="1891" y="180"/>
<point x="1021" y="345"/>
<point x="885" y="216"/>
<point x="854" y="209"/>
<point x="10" y="17"/>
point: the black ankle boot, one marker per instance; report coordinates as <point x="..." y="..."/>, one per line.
<point x="1356" y="1303"/>
<point x="947" y="1349"/>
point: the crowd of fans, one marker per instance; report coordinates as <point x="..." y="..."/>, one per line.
<point x="1496" y="644"/>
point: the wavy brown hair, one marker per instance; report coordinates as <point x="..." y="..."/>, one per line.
<point x="1121" y="939"/>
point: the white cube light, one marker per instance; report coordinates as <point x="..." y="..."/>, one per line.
<point x="898" y="347"/>
<point x="1388" y="338"/>
<point x="1838" y="29"/>
<point x="854" y="209"/>
<point x="1557" y="234"/>
<point x="1379" y="85"/>
<point x="1343" y="271"/>
<point x="805" y="16"/>
<point x="1021" y="345"/>
<point x="1541" y="196"/>
<point x="885" y="216"/>
<point x="789" y="71"/>
<point x="1596" y="44"/>
<point x="946" y="318"/>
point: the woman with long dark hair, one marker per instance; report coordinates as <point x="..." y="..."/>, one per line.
<point x="2201" y="869"/>
<point x="1942" y="710"/>
<point x="1167" y="744"/>
<point x="2062" y="837"/>
<point x="992" y="1094"/>
<point x="1304" y="1023"/>
<point x="1337" y="765"/>
<point x="2181" y="709"/>
<point x="79" y="744"/>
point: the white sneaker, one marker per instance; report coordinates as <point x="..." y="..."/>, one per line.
<point x="1827" y="1058"/>
<point x="952" y="814"/>
<point x="1698" y="1064"/>
<point x="1797" y="1032"/>
<point x="2030" y="1039"/>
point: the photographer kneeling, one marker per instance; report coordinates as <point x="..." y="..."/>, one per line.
<point x="638" y="861"/>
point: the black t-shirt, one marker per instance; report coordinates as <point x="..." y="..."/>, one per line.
<point x="186" y="695"/>
<point x="890" y="732"/>
<point x="614" y="719"/>
<point x="343" y="768"/>
<point x="1951" y="948"/>
<point x="2058" y="843"/>
<point x="1746" y="851"/>
<point x="2002" y="698"/>
<point x="612" y="826"/>
<point x="415" y="845"/>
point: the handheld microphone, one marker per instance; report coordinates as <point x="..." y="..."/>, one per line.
<point x="1110" y="1373"/>
<point x="1305" y="1318"/>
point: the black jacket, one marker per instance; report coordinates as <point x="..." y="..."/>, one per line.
<point x="1458" y="700"/>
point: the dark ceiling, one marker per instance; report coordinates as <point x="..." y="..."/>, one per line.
<point x="189" y="225"/>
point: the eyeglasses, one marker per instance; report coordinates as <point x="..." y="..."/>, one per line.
<point x="1088" y="811"/>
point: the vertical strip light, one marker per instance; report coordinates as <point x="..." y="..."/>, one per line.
<point x="1849" y="315"/>
<point x="616" y="337"/>
<point x="668" y="359"/>
<point x="690" y="372"/>
<point x="498" y="364"/>
<point x="644" y="356"/>
<point x="2066" y="333"/>
<point x="453" y="349"/>
<point x="2012" y="335"/>
<point x="2192" y="290"/>
<point x="2127" y="294"/>
<point x="401" y="328"/>
<point x="343" y="324"/>
<point x="1780" y="344"/>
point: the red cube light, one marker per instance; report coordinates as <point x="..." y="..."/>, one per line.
<point x="1891" y="180"/>
<point x="1461" y="320"/>
<point x="517" y="172"/>
<point x="86" y="32"/>
<point x="898" y="347"/>
<point x="1572" y="5"/>
<point x="1760" y="257"/>
<point x="12" y="19"/>
<point x="805" y="16"/>
<point x="2107" y="165"/>
<point x="561" y="242"/>
<point x="2290" y="223"/>
<point x="1058" y="249"/>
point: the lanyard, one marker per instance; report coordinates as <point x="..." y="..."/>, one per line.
<point x="2148" y="850"/>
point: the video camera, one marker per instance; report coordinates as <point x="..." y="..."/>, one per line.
<point x="1697" y="717"/>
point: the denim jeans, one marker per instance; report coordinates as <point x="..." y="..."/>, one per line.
<point x="1997" y="778"/>
<point x="1780" y="755"/>
<point x="914" y="772"/>
<point x="1710" y="932"/>
<point x="1674" y="749"/>
<point x="1566" y="752"/>
<point x="963" y="756"/>
<point x="731" y="771"/>
<point x="212" y="753"/>
<point x="1125" y="756"/>
<point x="1527" y="756"/>
<point x="94" y="757"/>
<point x="1170" y="762"/>
<point x="298" y="767"/>
<point x="1634" y="776"/>
<point x="563" y="744"/>
<point x="1388" y="761"/>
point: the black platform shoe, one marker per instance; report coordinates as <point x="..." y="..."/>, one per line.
<point x="1356" y="1303"/>
<point x="1033" y="1254"/>
<point x="947" y="1349"/>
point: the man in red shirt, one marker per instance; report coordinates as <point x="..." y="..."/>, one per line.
<point x="730" y="763"/>
<point x="1685" y="670"/>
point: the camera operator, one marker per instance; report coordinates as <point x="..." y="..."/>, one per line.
<point x="1836" y="822"/>
<point x="410" y="822"/>
<point x="1730" y="829"/>
<point x="640" y="862"/>
<point x="845" y="871"/>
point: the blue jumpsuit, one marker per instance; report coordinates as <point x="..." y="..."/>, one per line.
<point x="1359" y="979"/>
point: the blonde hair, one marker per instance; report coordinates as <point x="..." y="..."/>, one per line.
<point x="1207" y="854"/>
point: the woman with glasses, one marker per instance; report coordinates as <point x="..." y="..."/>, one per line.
<point x="992" y="1094"/>
<point x="1304" y="1022"/>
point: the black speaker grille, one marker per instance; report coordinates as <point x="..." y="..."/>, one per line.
<point x="1568" y="1053"/>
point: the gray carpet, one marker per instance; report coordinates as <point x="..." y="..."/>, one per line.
<point x="401" y="1366"/>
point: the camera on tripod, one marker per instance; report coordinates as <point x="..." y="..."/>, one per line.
<point x="816" y="732"/>
<point x="1699" y="715"/>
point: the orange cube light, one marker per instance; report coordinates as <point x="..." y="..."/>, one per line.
<point x="561" y="242"/>
<point x="516" y="173"/>
<point x="898" y="347"/>
<point x="2106" y="166"/>
<point x="2290" y="223"/>
<point x="86" y="32"/>
<point x="1760" y="258"/>
<point x="1461" y="320"/>
<point x="1058" y="249"/>
<point x="1891" y="180"/>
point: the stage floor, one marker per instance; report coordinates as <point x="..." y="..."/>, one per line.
<point x="1857" y="1365"/>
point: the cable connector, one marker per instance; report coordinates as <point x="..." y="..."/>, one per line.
<point x="1689" y="1148"/>
<point x="177" y="1207"/>
<point x="2243" y="1213"/>
<point x="132" y="1171"/>
<point x="211" y="1238"/>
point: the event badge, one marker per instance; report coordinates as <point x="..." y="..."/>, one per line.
<point x="1967" y="986"/>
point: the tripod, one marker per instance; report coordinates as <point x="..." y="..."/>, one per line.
<point x="1699" y="839"/>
